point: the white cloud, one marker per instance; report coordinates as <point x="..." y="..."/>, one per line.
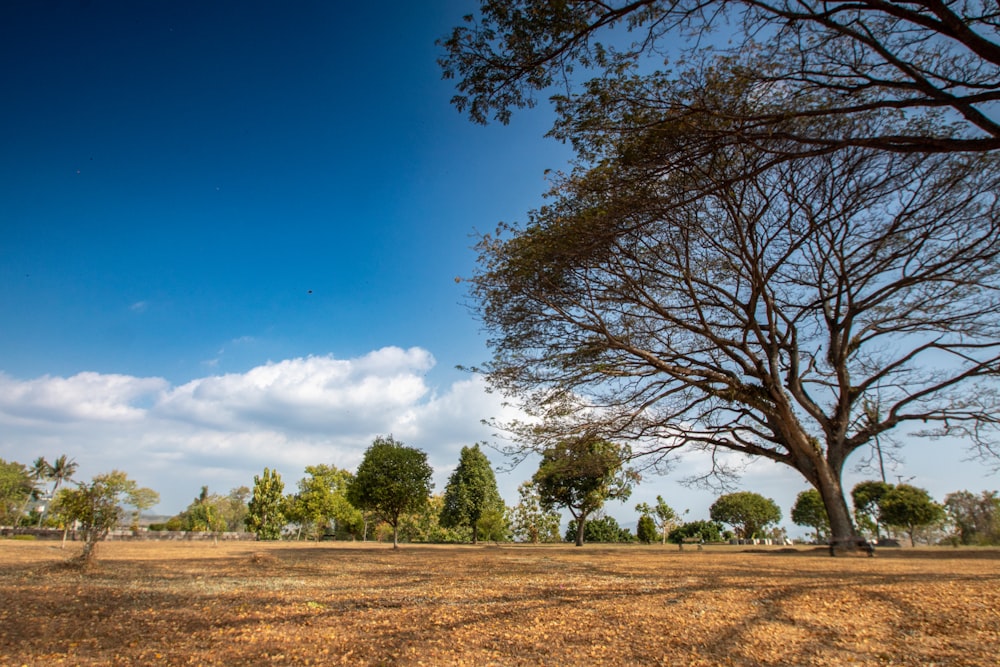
<point x="222" y="430"/>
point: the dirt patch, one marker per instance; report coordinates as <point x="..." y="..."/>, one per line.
<point x="335" y="603"/>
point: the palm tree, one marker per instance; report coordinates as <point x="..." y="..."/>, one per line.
<point x="37" y="473"/>
<point x="61" y="470"/>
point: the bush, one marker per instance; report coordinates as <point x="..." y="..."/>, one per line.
<point x="709" y="531"/>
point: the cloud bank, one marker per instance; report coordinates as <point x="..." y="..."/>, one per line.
<point x="222" y="430"/>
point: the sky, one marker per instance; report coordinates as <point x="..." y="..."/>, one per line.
<point x="232" y="236"/>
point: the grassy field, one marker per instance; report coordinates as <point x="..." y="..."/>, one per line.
<point x="364" y="604"/>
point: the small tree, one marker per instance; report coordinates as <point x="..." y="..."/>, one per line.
<point x="747" y="512"/>
<point x="15" y="490"/>
<point x="392" y="480"/>
<point x="580" y="475"/>
<point x="100" y="506"/>
<point x="322" y="500"/>
<point x="265" y="515"/>
<point x="494" y="525"/>
<point x="810" y="511"/>
<point x="909" y="508"/>
<point x="662" y="514"/>
<point x="471" y="492"/>
<point x="707" y="531"/>
<point x="600" y="529"/>
<point x="530" y="521"/>
<point x="424" y="525"/>
<point x="976" y="519"/>
<point x="866" y="497"/>
<point x="645" y="530"/>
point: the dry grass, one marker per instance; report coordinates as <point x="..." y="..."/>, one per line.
<point x="279" y="603"/>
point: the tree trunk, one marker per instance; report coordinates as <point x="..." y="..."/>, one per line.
<point x="89" y="554"/>
<point x="843" y="536"/>
<point x="580" y="524"/>
<point x="395" y="535"/>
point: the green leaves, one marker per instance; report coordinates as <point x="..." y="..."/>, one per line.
<point x="745" y="511"/>
<point x="266" y="516"/>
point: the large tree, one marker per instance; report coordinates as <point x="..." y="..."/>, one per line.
<point x="100" y="506"/>
<point x="581" y="474"/>
<point x="753" y="250"/>
<point x="471" y="492"/>
<point x="391" y="480"/>
<point x="761" y="317"/>
<point x="933" y="63"/>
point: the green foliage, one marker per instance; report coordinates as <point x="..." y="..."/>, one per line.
<point x="391" y="480"/>
<point x="494" y="525"/>
<point x="646" y="531"/>
<point x="15" y="490"/>
<point x="976" y="519"/>
<point x="471" y="492"/>
<point x="747" y="512"/>
<point x="909" y="507"/>
<point x="866" y="497"/>
<point x="600" y="529"/>
<point x="663" y="515"/>
<point x="100" y="506"/>
<point x="321" y="503"/>
<point x="530" y="522"/>
<point x="425" y="526"/>
<point x="809" y="510"/>
<point x="204" y="514"/>
<point x="580" y="475"/>
<point x="707" y="531"/>
<point x="265" y="515"/>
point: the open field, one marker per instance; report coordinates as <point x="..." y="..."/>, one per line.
<point x="151" y="603"/>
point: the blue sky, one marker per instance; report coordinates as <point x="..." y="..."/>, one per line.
<point x="230" y="238"/>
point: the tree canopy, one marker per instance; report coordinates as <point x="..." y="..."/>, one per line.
<point x="16" y="486"/>
<point x="530" y="522"/>
<point x="976" y="519"/>
<point x="391" y="480"/>
<point x="933" y="65"/>
<point x="322" y="500"/>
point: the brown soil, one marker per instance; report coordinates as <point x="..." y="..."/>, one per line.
<point x="279" y="603"/>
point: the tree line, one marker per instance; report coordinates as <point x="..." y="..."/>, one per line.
<point x="389" y="497"/>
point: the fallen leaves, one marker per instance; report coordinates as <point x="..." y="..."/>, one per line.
<point x="295" y="604"/>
